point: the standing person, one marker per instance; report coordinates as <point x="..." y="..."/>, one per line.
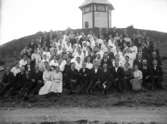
<point x="137" y="79"/>
<point x="118" y="74"/>
<point x="57" y="80"/>
<point x="156" y="75"/>
<point x="47" y="80"/>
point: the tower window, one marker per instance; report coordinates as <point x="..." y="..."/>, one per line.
<point x="87" y="9"/>
<point x="100" y="8"/>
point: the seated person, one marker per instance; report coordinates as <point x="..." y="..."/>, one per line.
<point x="118" y="74"/>
<point x="57" y="81"/>
<point x="45" y="89"/>
<point x="106" y="78"/>
<point x="7" y="81"/>
<point x="94" y="78"/>
<point x="36" y="78"/>
<point x="73" y="78"/>
<point x="107" y="60"/>
<point x="156" y="75"/>
<point x="138" y="61"/>
<point x="128" y="76"/>
<point x="23" y="61"/>
<point x="27" y="86"/>
<point x="146" y="74"/>
<point x="137" y="79"/>
<point x="84" y="78"/>
<point x="19" y="82"/>
<point x="15" y="70"/>
<point x="65" y="74"/>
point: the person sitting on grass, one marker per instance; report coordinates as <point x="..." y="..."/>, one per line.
<point x="84" y="80"/>
<point x="146" y="75"/>
<point x="73" y="78"/>
<point x="156" y="75"/>
<point x="94" y="78"/>
<point x="136" y="82"/>
<point x="106" y="78"/>
<point x="47" y="80"/>
<point x="36" y="77"/>
<point x="118" y="75"/>
<point x="57" y="81"/>
<point x="7" y="82"/>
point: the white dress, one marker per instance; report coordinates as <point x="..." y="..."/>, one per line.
<point x="57" y="84"/>
<point x="47" y="83"/>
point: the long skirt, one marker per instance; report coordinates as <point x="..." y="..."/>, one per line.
<point x="46" y="88"/>
<point x="51" y="87"/>
<point x="57" y="86"/>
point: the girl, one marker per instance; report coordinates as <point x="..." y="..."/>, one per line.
<point x="137" y="79"/>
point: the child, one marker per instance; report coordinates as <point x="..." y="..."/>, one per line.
<point x="137" y="79"/>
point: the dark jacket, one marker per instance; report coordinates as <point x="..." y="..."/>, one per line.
<point x="95" y="76"/>
<point x="84" y="74"/>
<point x="119" y="74"/>
<point x="106" y="76"/>
<point x="156" y="72"/>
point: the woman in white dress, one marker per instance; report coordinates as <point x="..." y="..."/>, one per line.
<point x="137" y="79"/>
<point x="47" y="80"/>
<point x="57" y="81"/>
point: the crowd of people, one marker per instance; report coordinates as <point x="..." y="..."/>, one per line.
<point x="80" y="63"/>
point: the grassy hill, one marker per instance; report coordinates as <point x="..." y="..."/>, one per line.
<point x="9" y="54"/>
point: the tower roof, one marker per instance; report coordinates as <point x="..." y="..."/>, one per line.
<point x="106" y="2"/>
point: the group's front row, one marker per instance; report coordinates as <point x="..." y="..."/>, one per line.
<point x="104" y="79"/>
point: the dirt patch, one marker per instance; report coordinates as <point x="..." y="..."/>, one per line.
<point x="114" y="114"/>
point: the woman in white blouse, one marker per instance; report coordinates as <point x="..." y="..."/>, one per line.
<point x="57" y="81"/>
<point x="89" y="65"/>
<point x="47" y="80"/>
<point x="137" y="79"/>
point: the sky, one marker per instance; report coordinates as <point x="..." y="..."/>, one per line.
<point x="19" y="18"/>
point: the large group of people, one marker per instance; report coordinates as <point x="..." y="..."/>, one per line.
<point x="84" y="63"/>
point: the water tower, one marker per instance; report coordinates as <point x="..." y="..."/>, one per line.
<point x="96" y="14"/>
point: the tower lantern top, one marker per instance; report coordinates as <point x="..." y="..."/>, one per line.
<point x="104" y="2"/>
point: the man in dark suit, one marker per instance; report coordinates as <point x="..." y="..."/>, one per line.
<point x="7" y="82"/>
<point x="66" y="72"/>
<point x="20" y="82"/>
<point x="138" y="61"/>
<point x="146" y="75"/>
<point x="118" y="74"/>
<point x="156" y="75"/>
<point x="94" y="78"/>
<point x="73" y="75"/>
<point x="84" y="78"/>
<point x="107" y="60"/>
<point x="106" y="78"/>
<point x="37" y="81"/>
